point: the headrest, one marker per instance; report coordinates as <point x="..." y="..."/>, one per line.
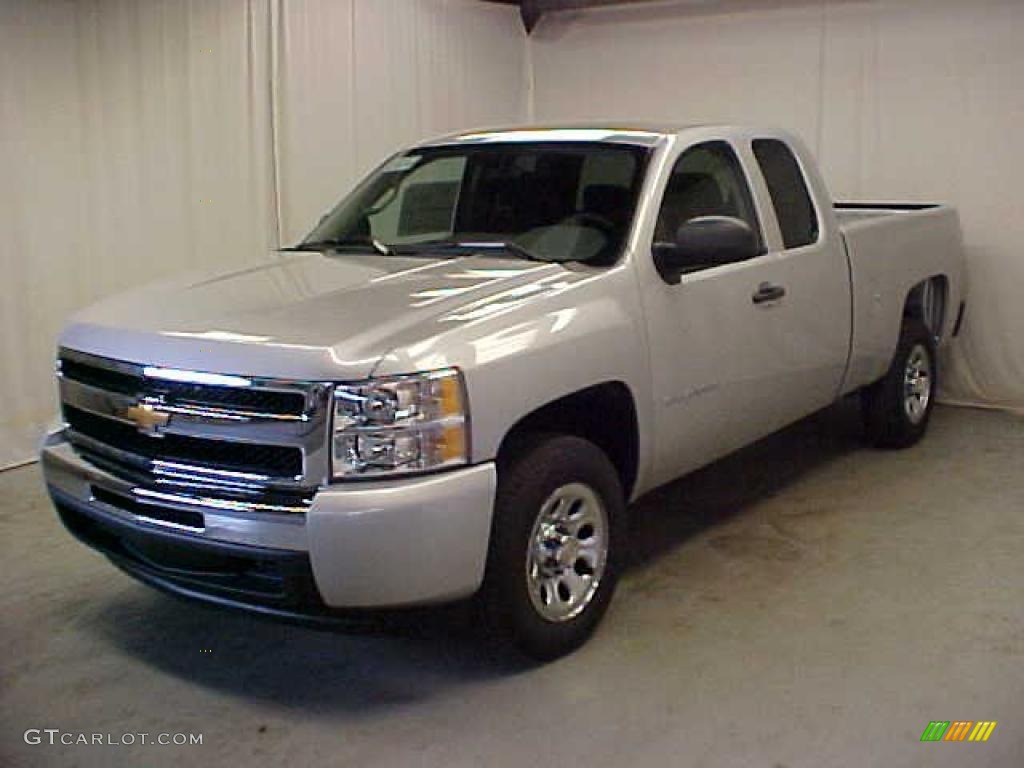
<point x="699" y="192"/>
<point x="688" y="196"/>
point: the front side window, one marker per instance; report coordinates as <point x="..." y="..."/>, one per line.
<point x="786" y="185"/>
<point x="707" y="180"/>
<point x="549" y="201"/>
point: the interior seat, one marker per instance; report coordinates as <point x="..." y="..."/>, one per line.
<point x="688" y="196"/>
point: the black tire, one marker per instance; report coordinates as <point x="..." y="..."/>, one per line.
<point x="541" y="466"/>
<point x="888" y="419"/>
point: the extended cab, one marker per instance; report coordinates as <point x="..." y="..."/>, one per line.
<point x="455" y="384"/>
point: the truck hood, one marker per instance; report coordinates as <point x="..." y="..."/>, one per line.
<point x="306" y="316"/>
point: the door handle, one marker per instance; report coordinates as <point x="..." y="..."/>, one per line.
<point x="767" y="292"/>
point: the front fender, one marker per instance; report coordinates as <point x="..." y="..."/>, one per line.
<point x="561" y="334"/>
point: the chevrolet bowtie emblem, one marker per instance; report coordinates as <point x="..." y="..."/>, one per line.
<point x="147" y="419"/>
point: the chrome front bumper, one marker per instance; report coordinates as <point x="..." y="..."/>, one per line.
<point x="362" y="545"/>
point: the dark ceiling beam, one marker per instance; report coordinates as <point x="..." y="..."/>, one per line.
<point x="530" y="13"/>
<point x="532" y="10"/>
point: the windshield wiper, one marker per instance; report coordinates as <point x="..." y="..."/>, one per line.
<point x="344" y="242"/>
<point x="485" y="245"/>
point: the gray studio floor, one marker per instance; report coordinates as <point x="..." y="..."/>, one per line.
<point x="809" y="602"/>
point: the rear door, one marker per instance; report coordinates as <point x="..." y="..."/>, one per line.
<point x="737" y="350"/>
<point x="809" y="263"/>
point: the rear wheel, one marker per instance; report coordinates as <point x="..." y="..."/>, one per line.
<point x="555" y="543"/>
<point x="898" y="406"/>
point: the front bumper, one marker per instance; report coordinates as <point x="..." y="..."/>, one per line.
<point x="358" y="545"/>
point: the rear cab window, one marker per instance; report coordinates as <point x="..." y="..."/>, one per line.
<point x="791" y="199"/>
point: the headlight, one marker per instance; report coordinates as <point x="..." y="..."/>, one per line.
<point x="391" y="426"/>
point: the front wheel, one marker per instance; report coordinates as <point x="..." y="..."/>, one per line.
<point x="898" y="406"/>
<point x="555" y="545"/>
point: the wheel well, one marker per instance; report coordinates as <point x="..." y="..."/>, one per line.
<point x="927" y="302"/>
<point x="604" y="414"/>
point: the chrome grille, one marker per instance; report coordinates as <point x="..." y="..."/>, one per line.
<point x="263" y="460"/>
<point x="242" y="399"/>
<point x="181" y="432"/>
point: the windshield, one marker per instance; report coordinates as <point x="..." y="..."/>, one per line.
<point x="545" y="201"/>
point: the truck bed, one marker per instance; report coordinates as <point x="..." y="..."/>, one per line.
<point x="891" y="248"/>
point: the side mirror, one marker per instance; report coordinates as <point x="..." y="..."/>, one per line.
<point x="705" y="241"/>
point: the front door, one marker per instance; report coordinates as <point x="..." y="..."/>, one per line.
<point x="729" y="343"/>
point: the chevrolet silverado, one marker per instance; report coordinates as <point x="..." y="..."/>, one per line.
<point x="454" y="385"/>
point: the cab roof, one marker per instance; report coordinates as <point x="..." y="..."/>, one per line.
<point x="613" y="132"/>
<point x="644" y="134"/>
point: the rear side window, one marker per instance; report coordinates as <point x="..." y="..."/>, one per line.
<point x="792" y="201"/>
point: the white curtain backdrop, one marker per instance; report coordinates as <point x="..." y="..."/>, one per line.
<point x="134" y="144"/>
<point x="360" y="79"/>
<point x="139" y="139"/>
<point x="901" y="99"/>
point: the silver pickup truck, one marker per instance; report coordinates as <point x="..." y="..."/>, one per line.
<point x="456" y="383"/>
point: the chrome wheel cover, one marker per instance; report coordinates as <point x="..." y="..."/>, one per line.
<point x="567" y="552"/>
<point x="917" y="383"/>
